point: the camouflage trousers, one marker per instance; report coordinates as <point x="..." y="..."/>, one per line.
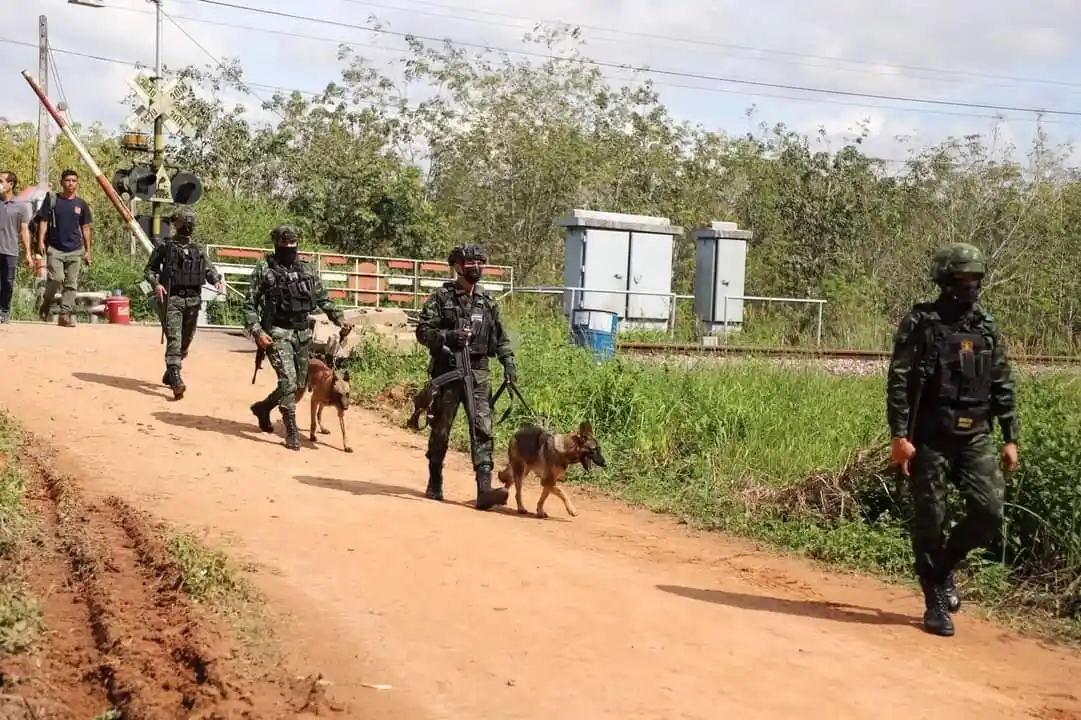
<point x="181" y="317"/>
<point x="289" y="358"/>
<point x="970" y="464"/>
<point x="445" y="409"/>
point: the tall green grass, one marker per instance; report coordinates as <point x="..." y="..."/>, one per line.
<point x="796" y="456"/>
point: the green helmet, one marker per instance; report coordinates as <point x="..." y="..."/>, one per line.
<point x="957" y="258"/>
<point x="466" y="253"/>
<point x="284" y="236"/>
<point x="185" y="217"/>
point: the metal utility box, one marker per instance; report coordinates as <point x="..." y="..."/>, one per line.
<point x="720" y="270"/>
<point x="619" y="254"/>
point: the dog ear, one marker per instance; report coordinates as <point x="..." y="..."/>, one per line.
<point x="585" y="431"/>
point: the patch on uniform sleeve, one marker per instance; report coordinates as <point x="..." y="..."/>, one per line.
<point x="963" y="423"/>
<point x="966" y="346"/>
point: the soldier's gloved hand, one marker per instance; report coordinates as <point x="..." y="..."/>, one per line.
<point x="901" y="452"/>
<point x="457" y="339"/>
<point x="510" y="371"/>
<point x="1009" y="457"/>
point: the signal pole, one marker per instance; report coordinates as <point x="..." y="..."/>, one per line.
<point x="43" y="115"/>
<point x="159" y="129"/>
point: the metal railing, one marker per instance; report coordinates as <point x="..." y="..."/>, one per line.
<point x="575" y="291"/>
<point x="808" y="301"/>
<point x="673" y="298"/>
<point x="351" y="280"/>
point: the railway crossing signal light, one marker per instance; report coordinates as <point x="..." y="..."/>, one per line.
<point x="140" y="182"/>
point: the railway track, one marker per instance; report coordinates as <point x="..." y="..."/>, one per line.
<point x="650" y="348"/>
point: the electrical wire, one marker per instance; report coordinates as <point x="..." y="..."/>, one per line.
<point x="655" y="71"/>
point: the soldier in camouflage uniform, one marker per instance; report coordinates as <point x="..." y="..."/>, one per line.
<point x="947" y="378"/>
<point x="283" y="293"/>
<point x="177" y="270"/>
<point x="455" y="316"/>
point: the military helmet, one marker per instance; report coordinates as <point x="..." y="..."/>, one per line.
<point x="185" y="216"/>
<point x="466" y="253"/>
<point x="284" y="235"/>
<point x="957" y="258"/>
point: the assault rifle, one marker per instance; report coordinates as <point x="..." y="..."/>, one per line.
<point x="163" y="307"/>
<point x="265" y="323"/>
<point x="920" y="368"/>
<point x="463" y="371"/>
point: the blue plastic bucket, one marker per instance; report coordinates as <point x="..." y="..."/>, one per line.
<point x="595" y="330"/>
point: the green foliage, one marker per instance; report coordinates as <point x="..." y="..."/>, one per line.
<point x="21" y="618"/>
<point x="797" y="456"/>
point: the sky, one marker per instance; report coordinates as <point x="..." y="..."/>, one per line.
<point x="1013" y="53"/>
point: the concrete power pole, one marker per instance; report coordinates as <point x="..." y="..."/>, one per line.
<point x="43" y="114"/>
<point x="159" y="127"/>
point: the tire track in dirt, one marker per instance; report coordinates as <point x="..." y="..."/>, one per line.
<point x="130" y="638"/>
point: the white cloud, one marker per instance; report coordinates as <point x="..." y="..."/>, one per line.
<point x="990" y="51"/>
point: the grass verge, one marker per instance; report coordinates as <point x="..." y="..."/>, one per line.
<point x="211" y="579"/>
<point x="793" y="456"/>
<point x="21" y="618"/>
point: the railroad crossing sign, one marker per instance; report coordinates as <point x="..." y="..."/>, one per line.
<point x="161" y="103"/>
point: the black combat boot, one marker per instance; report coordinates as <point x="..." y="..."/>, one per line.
<point x="172" y="379"/>
<point x="486" y="496"/>
<point x="953" y="599"/>
<point x="292" y="433"/>
<point x="936" y="618"/>
<point x="261" y="411"/>
<point x="434" y="490"/>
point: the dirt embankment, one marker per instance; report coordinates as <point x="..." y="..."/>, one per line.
<point x="121" y="640"/>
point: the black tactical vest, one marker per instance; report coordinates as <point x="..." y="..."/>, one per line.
<point x="459" y="311"/>
<point x="960" y="382"/>
<point x="292" y="294"/>
<point x="184" y="266"/>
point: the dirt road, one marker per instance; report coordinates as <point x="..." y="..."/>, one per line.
<point x="614" y="614"/>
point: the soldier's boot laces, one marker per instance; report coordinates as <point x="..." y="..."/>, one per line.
<point x="261" y="411"/>
<point x="953" y="599"/>
<point x="292" y="433"/>
<point x="173" y="380"/>
<point x="486" y="496"/>
<point x="936" y="617"/>
<point x="434" y="490"/>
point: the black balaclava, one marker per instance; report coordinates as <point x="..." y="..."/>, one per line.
<point x="961" y="293"/>
<point x="285" y="244"/>
<point x="472" y="274"/>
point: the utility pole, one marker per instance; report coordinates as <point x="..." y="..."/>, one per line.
<point x="43" y="114"/>
<point x="159" y="129"/>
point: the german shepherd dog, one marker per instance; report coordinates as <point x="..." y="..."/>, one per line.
<point x="328" y="387"/>
<point x="533" y="449"/>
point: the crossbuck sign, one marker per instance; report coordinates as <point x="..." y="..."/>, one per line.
<point x="161" y="103"/>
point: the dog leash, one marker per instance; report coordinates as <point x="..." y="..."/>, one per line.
<point x="514" y="393"/>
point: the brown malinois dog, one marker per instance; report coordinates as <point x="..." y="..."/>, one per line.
<point x="533" y="449"/>
<point x="327" y="387"/>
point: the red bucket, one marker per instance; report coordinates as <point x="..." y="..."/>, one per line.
<point x="118" y="308"/>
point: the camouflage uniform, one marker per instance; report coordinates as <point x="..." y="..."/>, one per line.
<point x="454" y="317"/>
<point x="181" y="267"/>
<point x="949" y="354"/>
<point x="282" y="294"/>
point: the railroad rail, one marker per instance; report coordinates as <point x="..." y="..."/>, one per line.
<point x="652" y="348"/>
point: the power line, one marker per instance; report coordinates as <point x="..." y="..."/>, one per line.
<point x="661" y="83"/>
<point x="128" y="63"/>
<point x="211" y="55"/>
<point x="135" y="64"/>
<point x="655" y="71"/>
<point x="869" y="66"/>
